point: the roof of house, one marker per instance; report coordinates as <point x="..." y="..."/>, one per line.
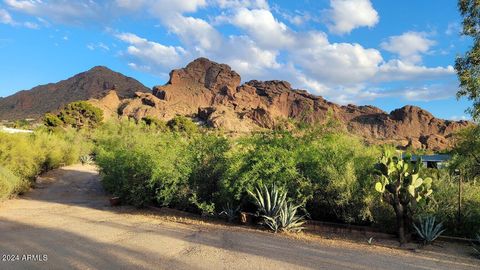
<point x="432" y="158"/>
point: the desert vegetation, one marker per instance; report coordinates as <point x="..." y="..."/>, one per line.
<point x="285" y="176"/>
<point x="24" y="156"/>
<point x="322" y="174"/>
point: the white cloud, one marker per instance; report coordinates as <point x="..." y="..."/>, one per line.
<point x="453" y="28"/>
<point x="255" y="4"/>
<point x="75" y="12"/>
<point x="152" y="54"/>
<point x="262" y="26"/>
<point x="429" y="92"/>
<point x="5" y="17"/>
<point x="247" y="58"/>
<point x="395" y="70"/>
<point x="459" y="117"/>
<point x="196" y="33"/>
<point x="409" y="46"/>
<point x="98" y="45"/>
<point x="346" y="15"/>
<point x="336" y="63"/>
<point x="31" y="25"/>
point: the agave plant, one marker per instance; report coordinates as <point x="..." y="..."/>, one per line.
<point x="429" y="230"/>
<point x="86" y="159"/>
<point x="289" y="220"/>
<point x="476" y="244"/>
<point x="277" y="213"/>
<point x="229" y="212"/>
<point x="269" y="202"/>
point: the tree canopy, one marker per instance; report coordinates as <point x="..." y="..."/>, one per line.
<point x="468" y="65"/>
<point x="79" y="114"/>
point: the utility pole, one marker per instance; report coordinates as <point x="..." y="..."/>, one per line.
<point x="459" y="196"/>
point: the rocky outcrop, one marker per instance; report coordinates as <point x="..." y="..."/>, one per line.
<point x="93" y="84"/>
<point x="213" y="94"/>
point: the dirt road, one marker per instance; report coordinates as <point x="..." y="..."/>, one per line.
<point x="66" y="223"/>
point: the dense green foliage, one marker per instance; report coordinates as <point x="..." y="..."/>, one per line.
<point x="179" y="164"/>
<point x="79" y="114"/>
<point x="204" y="171"/>
<point x="468" y="65"/>
<point x="466" y="157"/>
<point x="9" y="183"/>
<point x="24" y="156"/>
<point x="152" y="121"/>
<point x="443" y="203"/>
<point x="182" y="124"/>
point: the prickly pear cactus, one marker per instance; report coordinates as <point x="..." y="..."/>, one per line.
<point x="402" y="177"/>
<point x="401" y="187"/>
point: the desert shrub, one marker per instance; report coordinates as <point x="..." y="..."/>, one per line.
<point x="9" y="184"/>
<point x="52" y="120"/>
<point x="143" y="166"/>
<point x="182" y="124"/>
<point x="339" y="168"/>
<point x="444" y="203"/>
<point x="209" y="162"/>
<point x="265" y="159"/>
<point x="78" y="114"/>
<point x="27" y="155"/>
<point x="155" y="122"/>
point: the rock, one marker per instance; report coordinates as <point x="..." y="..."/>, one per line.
<point x="212" y="92"/>
<point x="95" y="83"/>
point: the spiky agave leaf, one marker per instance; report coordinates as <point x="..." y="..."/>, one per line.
<point x="289" y="220"/>
<point x="429" y="231"/>
<point x="476" y="244"/>
<point x="269" y="202"/>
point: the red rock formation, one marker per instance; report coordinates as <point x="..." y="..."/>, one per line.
<point x="92" y="84"/>
<point x="212" y="93"/>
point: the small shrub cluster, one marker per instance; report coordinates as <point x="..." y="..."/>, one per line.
<point x="79" y="114"/>
<point x="24" y="156"/>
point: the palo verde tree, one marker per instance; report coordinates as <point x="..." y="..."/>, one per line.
<point x="402" y="188"/>
<point x="468" y="65"/>
<point x="466" y="152"/>
<point x="79" y="114"/>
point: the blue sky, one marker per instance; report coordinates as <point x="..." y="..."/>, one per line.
<point x="382" y="53"/>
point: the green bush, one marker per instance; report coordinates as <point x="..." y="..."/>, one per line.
<point x="28" y="155"/>
<point x="79" y="114"/>
<point x="265" y="159"/>
<point x="444" y="204"/>
<point x="155" y="122"/>
<point x="143" y="166"/>
<point x="182" y="124"/>
<point x="331" y="173"/>
<point x="340" y="169"/>
<point x="9" y="184"/>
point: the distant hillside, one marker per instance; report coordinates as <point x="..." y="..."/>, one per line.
<point x="94" y="83"/>
<point x="213" y="94"/>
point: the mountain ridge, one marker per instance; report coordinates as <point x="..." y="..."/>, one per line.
<point x="93" y="83"/>
<point x="214" y="95"/>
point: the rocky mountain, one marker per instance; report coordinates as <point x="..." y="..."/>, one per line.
<point x="213" y="94"/>
<point x="94" y="83"/>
